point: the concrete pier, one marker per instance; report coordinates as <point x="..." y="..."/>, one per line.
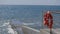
<point x="47" y="31"/>
<point x="28" y="30"/>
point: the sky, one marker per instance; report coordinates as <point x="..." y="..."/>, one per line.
<point x="29" y="2"/>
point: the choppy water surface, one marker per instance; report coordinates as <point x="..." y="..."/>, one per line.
<point x="31" y="15"/>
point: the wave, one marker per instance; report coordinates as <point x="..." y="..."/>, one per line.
<point x="28" y="23"/>
<point x="32" y="24"/>
<point x="6" y="29"/>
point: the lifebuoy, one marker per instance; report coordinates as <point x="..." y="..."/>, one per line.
<point x="48" y="19"/>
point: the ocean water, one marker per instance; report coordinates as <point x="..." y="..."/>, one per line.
<point x="25" y="13"/>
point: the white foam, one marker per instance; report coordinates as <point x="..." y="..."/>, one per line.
<point x="5" y="24"/>
<point x="10" y="30"/>
<point x="28" y="23"/>
<point x="8" y="27"/>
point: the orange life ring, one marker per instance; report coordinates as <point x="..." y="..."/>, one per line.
<point x="48" y="20"/>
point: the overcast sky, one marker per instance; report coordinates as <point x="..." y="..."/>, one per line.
<point x="29" y="2"/>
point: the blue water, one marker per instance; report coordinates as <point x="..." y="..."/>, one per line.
<point x="26" y="13"/>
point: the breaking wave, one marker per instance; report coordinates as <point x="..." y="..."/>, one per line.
<point x="5" y="28"/>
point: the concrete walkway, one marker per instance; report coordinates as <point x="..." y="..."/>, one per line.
<point x="47" y="31"/>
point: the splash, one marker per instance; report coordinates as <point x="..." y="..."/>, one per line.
<point x="5" y="28"/>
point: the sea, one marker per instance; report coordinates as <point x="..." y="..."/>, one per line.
<point x="31" y="15"/>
